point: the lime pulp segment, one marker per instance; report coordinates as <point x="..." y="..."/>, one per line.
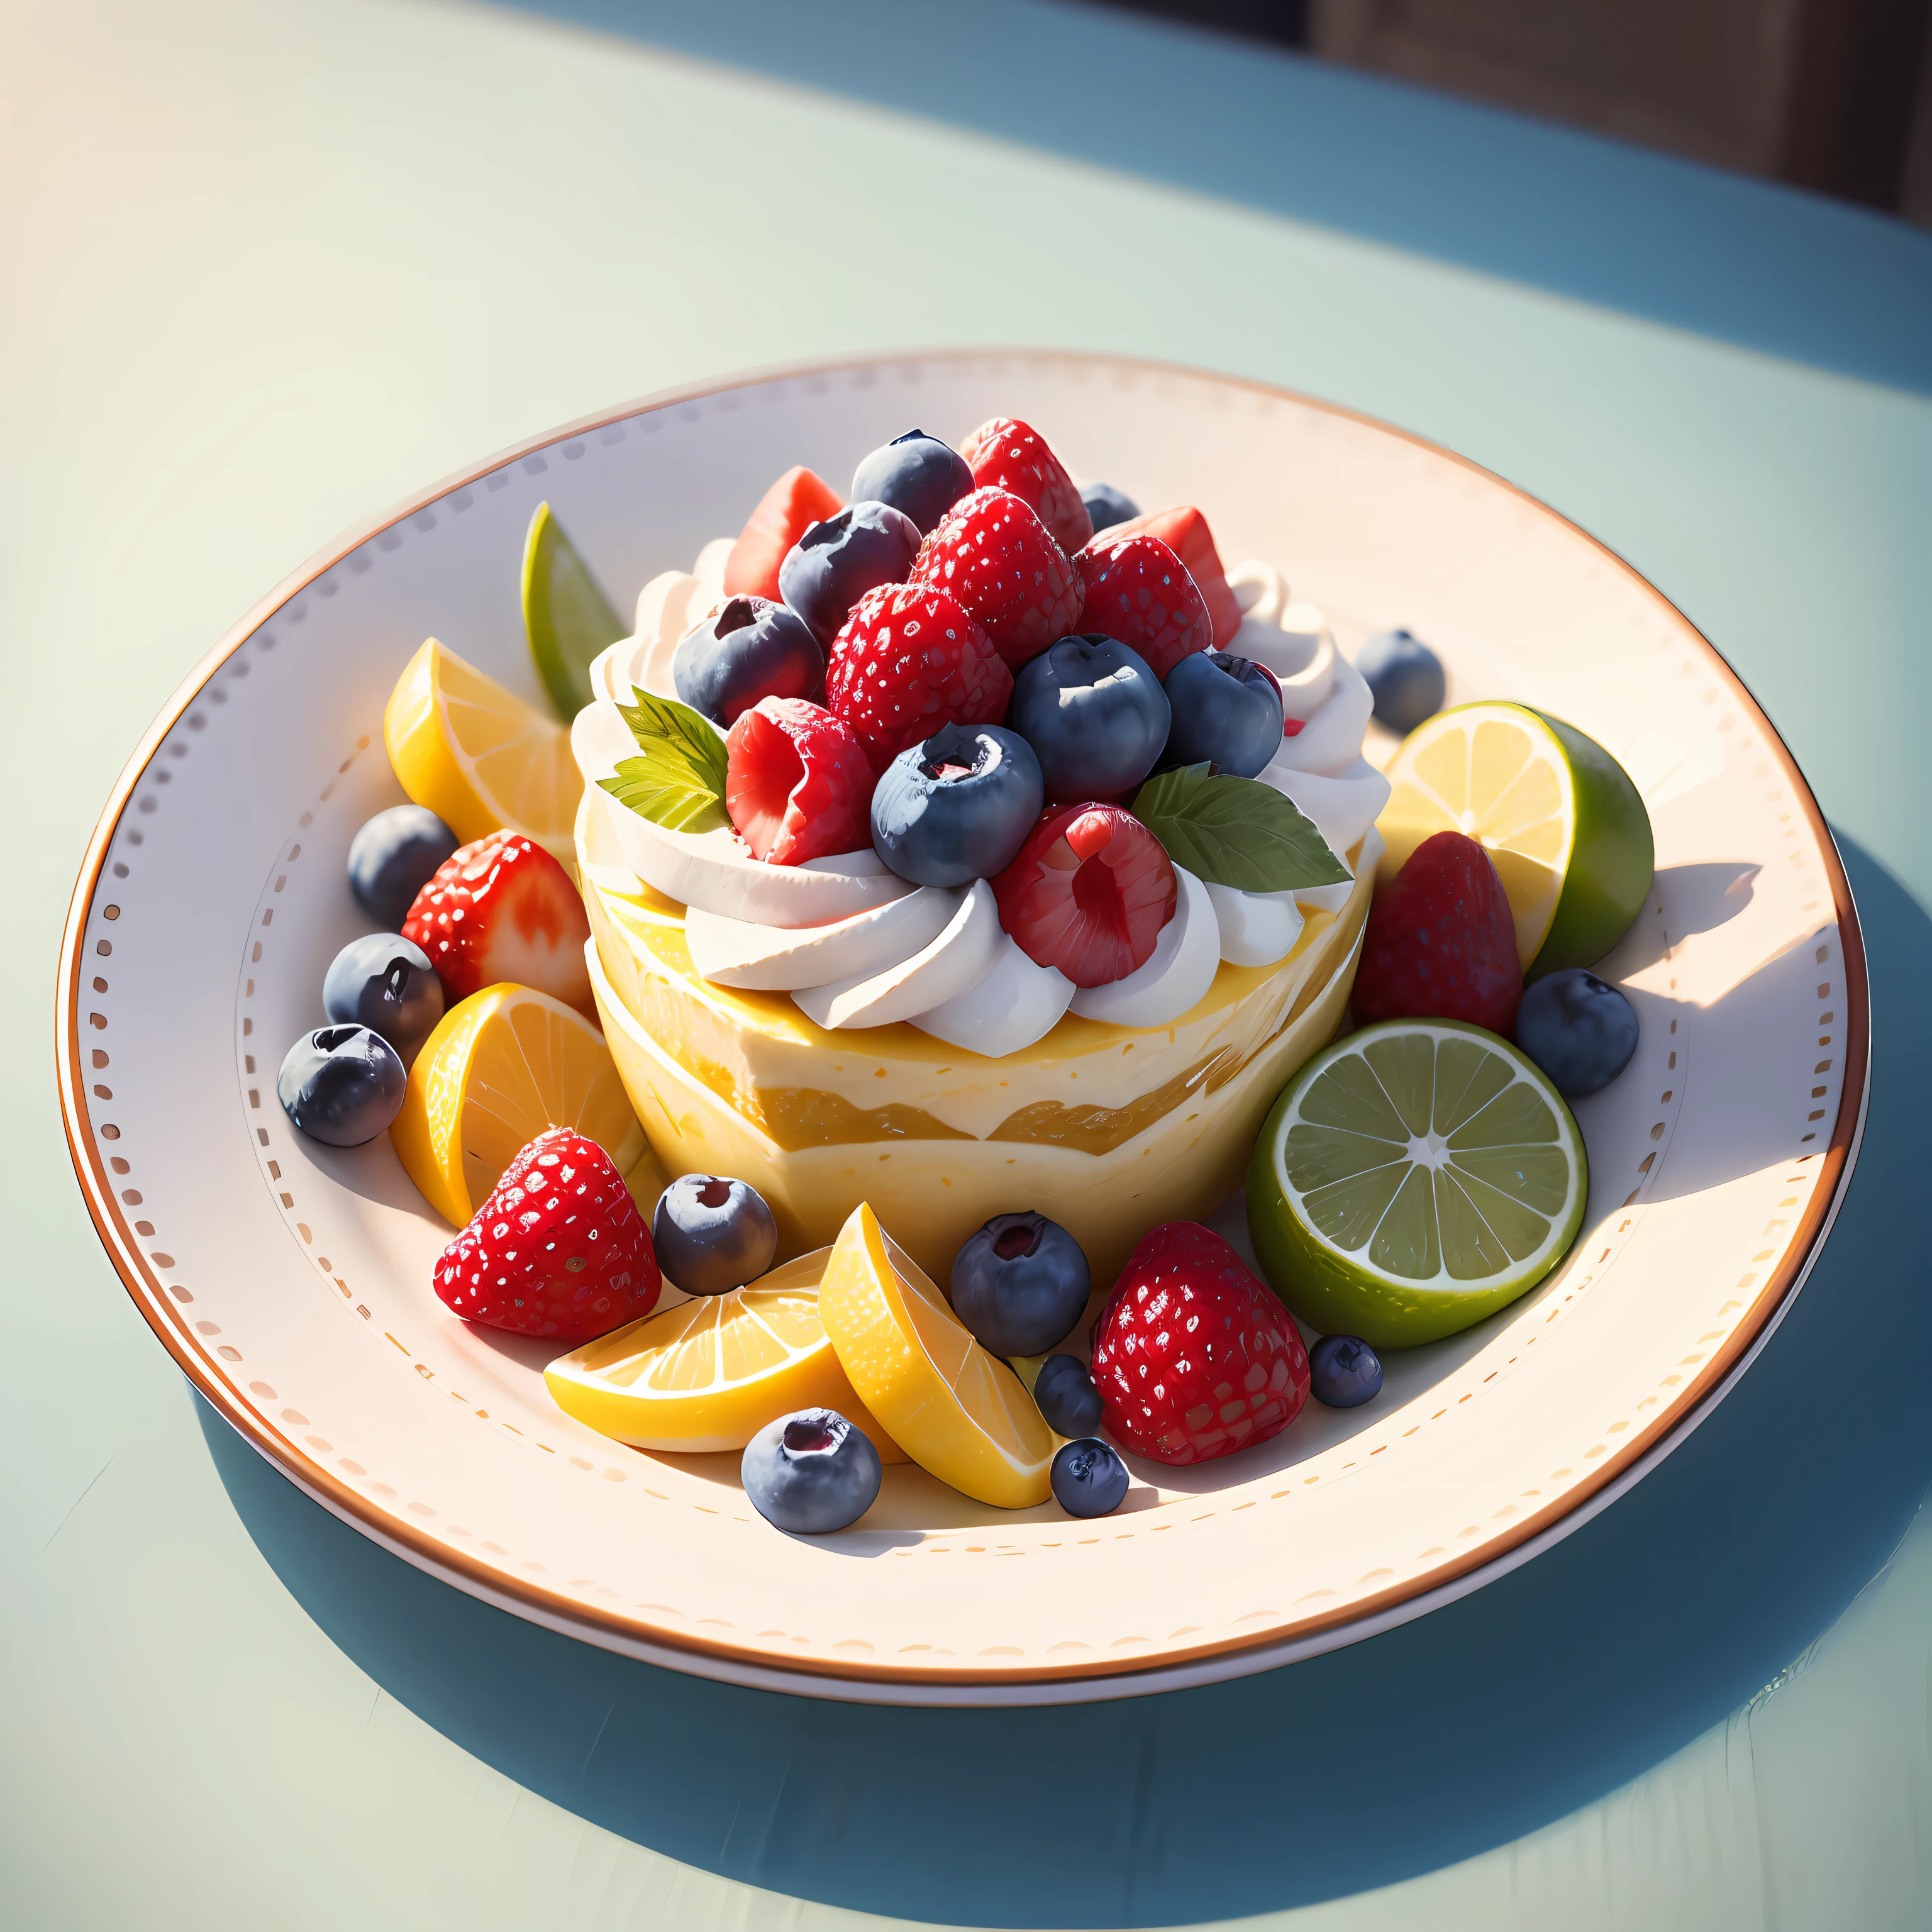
<point x="1414" y="1177"/>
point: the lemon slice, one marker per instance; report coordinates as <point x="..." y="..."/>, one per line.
<point x="711" y="1373"/>
<point x="567" y="617"/>
<point x="958" y="1411"/>
<point x="1559" y="816"/>
<point x="478" y="756"/>
<point x="1411" y="1179"/>
<point x="500" y="1067"/>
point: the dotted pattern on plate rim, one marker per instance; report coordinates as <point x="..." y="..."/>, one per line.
<point x="226" y="1359"/>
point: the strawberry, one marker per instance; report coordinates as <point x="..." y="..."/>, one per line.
<point x="1193" y="1356"/>
<point x="1088" y="892"/>
<point x="503" y="909"/>
<point x="1184" y="530"/>
<point x="907" y="660"/>
<point x="1013" y="455"/>
<point x="797" y="783"/>
<point x="1139" y="591"/>
<point x="995" y="555"/>
<point x="559" y="1250"/>
<point x="1440" y="943"/>
<point x="790" y="508"/>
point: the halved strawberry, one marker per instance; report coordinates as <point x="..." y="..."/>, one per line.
<point x="503" y="910"/>
<point x="797" y="783"/>
<point x="1184" y="530"/>
<point x="998" y="558"/>
<point x="790" y="508"/>
<point x="1008" y="454"/>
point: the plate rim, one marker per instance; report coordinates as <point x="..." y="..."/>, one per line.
<point x="1077" y="1682"/>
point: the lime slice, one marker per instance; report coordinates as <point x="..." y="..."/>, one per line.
<point x="1569" y="835"/>
<point x="1414" y="1178"/>
<point x="566" y="617"/>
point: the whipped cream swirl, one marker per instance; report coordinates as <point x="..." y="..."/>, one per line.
<point x="856" y="946"/>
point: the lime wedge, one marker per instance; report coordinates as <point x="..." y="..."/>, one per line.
<point x="1567" y="832"/>
<point x="1414" y="1178"/>
<point x="567" y="618"/>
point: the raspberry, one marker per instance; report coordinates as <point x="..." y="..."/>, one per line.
<point x="559" y="1250"/>
<point x="1139" y="591"/>
<point x="1440" y="943"/>
<point x="1193" y="1357"/>
<point x="797" y="783"/>
<point x="995" y="555"/>
<point x="1089" y="893"/>
<point x="909" y="659"/>
<point x="1014" y="456"/>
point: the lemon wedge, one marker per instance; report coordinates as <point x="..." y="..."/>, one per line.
<point x="500" y="1067"/>
<point x="709" y="1374"/>
<point x="960" y="1413"/>
<point x="478" y="756"/>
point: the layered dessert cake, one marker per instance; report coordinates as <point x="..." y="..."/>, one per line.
<point x="735" y="1061"/>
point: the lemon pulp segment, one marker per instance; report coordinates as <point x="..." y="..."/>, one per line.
<point x="1413" y="1178"/>
<point x="501" y="1067"/>
<point x="1497" y="773"/>
<point x="710" y="1373"/>
<point x="478" y="756"/>
<point x="958" y="1411"/>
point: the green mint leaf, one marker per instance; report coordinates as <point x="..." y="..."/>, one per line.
<point x="678" y="782"/>
<point x="1235" y="832"/>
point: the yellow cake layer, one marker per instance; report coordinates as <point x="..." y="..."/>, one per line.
<point x="1107" y="1129"/>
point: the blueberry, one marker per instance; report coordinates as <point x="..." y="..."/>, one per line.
<point x="810" y="1473"/>
<point x="836" y="562"/>
<point x="343" y="1084"/>
<point x="1108" y="506"/>
<point x="1095" y="714"/>
<point x="958" y="807"/>
<point x="1088" y="1478"/>
<point x="712" y="1234"/>
<point x="385" y="983"/>
<point x="393" y="857"/>
<point x="1579" y="1030"/>
<point x="752" y="649"/>
<point x="1405" y="678"/>
<point x="1020" y="1284"/>
<point x="1343" y="1371"/>
<point x="1226" y="710"/>
<point x="916" y="473"/>
<point x="1066" y="1396"/>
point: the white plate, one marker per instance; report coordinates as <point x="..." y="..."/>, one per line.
<point x="291" y="1281"/>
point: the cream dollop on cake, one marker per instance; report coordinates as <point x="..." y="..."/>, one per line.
<point x="858" y="947"/>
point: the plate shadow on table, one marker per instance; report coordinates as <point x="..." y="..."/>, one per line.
<point x="1696" y="248"/>
<point x="1429" y="1744"/>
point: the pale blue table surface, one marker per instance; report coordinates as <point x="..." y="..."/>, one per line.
<point x="269" y="267"/>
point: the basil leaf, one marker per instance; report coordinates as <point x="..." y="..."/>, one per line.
<point x="678" y="781"/>
<point x="1235" y="832"/>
